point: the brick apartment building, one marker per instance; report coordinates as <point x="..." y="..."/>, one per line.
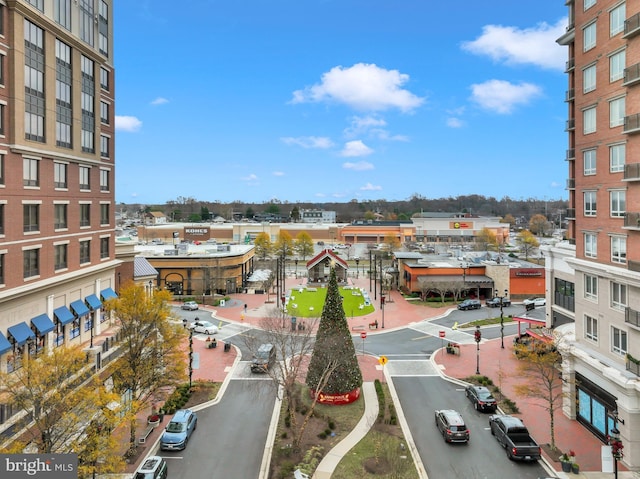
<point x="596" y="278"/>
<point x="57" y="176"/>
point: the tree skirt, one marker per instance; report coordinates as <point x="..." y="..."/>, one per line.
<point x="339" y="398"/>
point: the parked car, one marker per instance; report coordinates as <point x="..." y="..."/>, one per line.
<point x="177" y="433"/>
<point x="153" y="467"/>
<point x="263" y="359"/>
<point x="512" y="434"/>
<point x="469" y="304"/>
<point x="481" y="398"/>
<point x="451" y="426"/>
<point x="535" y="301"/>
<point x="190" y="306"/>
<point x="495" y="302"/>
<point x="206" y="327"/>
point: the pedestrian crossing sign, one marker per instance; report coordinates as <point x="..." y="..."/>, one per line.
<point x="383" y="360"/>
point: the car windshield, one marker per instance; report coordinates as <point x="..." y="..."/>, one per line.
<point x="175" y="427"/>
<point x="484" y="395"/>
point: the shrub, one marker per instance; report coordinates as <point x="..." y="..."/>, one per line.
<point x="331" y="424"/>
<point x="322" y="435"/>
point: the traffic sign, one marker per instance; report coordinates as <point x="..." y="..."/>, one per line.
<point x="363" y="334"/>
<point x="441" y="333"/>
<point x="383" y="360"/>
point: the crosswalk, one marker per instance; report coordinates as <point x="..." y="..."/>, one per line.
<point x="451" y="335"/>
<point x="411" y="367"/>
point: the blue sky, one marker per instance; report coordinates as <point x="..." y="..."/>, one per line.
<point x="336" y="100"/>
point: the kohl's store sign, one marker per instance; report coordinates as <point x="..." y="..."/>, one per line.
<point x="47" y="466"/>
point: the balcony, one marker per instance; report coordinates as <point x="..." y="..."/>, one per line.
<point x="631" y="26"/>
<point x="571" y="183"/>
<point x="571" y="154"/>
<point x="570" y="95"/>
<point x="631" y="75"/>
<point x="632" y="317"/>
<point x="631" y="124"/>
<point x="571" y="124"/>
<point x="632" y="220"/>
<point x="633" y="265"/>
<point x="572" y="241"/>
<point x="632" y="172"/>
<point x="633" y="367"/>
<point x="571" y="214"/>
<point x="570" y="65"/>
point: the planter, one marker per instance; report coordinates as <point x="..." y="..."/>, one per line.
<point x="566" y="466"/>
<point x="575" y="468"/>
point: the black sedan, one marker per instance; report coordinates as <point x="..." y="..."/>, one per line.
<point x="481" y="398"/>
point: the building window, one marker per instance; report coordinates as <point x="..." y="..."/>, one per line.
<point x="589" y="79"/>
<point x="104" y="79"/>
<point x="616" y="112"/>
<point x="589" y="158"/>
<point x="618" y="341"/>
<point x="564" y="294"/>
<point x="590" y="245"/>
<point x="2" y="68"/>
<point x="83" y="172"/>
<point x="1" y="218"/>
<point x="590" y="203"/>
<point x="618" y="249"/>
<point x="75" y="328"/>
<point x="39" y="4"/>
<point x="589" y="35"/>
<point x="617" y="155"/>
<point x="60" y="259"/>
<point x="104" y="214"/>
<point x="589" y="119"/>
<point x="104" y="146"/>
<point x="60" y="175"/>
<point x="103" y="28"/>
<point x="30" y="176"/>
<point x="88" y="109"/>
<point x="590" y="328"/>
<point x="104" y="248"/>
<point x="85" y="252"/>
<point x="591" y="287"/>
<point x="104" y="180"/>
<point x="64" y="82"/>
<point x="86" y="21"/>
<point x="618" y="296"/>
<point x="31" y="263"/>
<point x="60" y="217"/>
<point x="618" y="203"/>
<point x="1" y="269"/>
<point x="31" y="218"/>
<point x="616" y="65"/>
<point x="2" y="169"/>
<point x="62" y="13"/>
<point x="34" y="101"/>
<point x="588" y="4"/>
<point x="85" y="214"/>
<point x="104" y="112"/>
<point x="616" y="19"/>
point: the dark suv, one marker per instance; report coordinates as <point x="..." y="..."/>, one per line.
<point x="469" y="304"/>
<point x="452" y="426"/>
<point x="481" y="398"/>
<point x="495" y="302"/>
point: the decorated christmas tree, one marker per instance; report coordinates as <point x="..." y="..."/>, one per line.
<point x="334" y="371"/>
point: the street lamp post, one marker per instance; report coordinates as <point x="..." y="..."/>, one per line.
<point x="382" y="308"/>
<point x="357" y="267"/>
<point x="616" y="449"/>
<point x="477" y="336"/>
<point x="502" y="298"/>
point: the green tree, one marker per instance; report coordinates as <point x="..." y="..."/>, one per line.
<point x="295" y="214"/>
<point x="205" y="215"/>
<point x="249" y="213"/>
<point x="369" y="215"/>
<point x="284" y="244"/>
<point x="272" y="209"/>
<point x="263" y="245"/>
<point x="527" y="242"/>
<point x="333" y="345"/>
<point x="194" y="218"/>
<point x="303" y="245"/>
<point x="153" y="357"/>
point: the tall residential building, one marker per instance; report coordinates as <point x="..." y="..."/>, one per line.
<point x="601" y="367"/>
<point x="57" y="177"/>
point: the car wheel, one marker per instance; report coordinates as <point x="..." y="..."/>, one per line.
<point x="475" y="406"/>
<point x="492" y="431"/>
<point x="206" y="331"/>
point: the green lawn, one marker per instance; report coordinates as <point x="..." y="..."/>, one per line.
<point x="309" y="302"/>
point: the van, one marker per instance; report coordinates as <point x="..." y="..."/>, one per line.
<point x="263" y="359"/>
<point x="153" y="467"/>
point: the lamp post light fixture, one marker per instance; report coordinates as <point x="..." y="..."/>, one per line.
<point x="502" y="298"/>
<point x="357" y="267"/>
<point x="616" y="449"/>
<point x="477" y="335"/>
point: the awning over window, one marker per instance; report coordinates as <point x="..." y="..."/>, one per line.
<point x="43" y="324"/>
<point x="93" y="301"/>
<point x="64" y="315"/>
<point x="21" y="332"/>
<point x="80" y="308"/>
<point x="5" y="345"/>
<point x="108" y="293"/>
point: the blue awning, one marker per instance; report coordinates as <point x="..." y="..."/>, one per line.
<point x="64" y="315"/>
<point x="80" y="308"/>
<point x="93" y="301"/>
<point x="43" y="324"/>
<point x="21" y="332"/>
<point x="108" y="293"/>
<point x="5" y="345"/>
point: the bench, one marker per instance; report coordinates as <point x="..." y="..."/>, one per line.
<point x="359" y="327"/>
<point x="146" y="434"/>
<point x="373" y="325"/>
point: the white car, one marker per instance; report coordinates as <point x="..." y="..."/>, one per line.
<point x="190" y="306"/>
<point x="206" y="327"/>
<point x="535" y="301"/>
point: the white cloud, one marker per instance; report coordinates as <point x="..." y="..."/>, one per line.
<point x="514" y="46"/>
<point x="370" y="187"/>
<point x="371" y="126"/>
<point x="251" y="179"/>
<point x="355" y="148"/>
<point x="453" y="122"/>
<point x="555" y="184"/>
<point x="278" y="173"/>
<point x="128" y="123"/>
<point x="308" y="141"/>
<point x="363" y="87"/>
<point x="159" y="101"/>
<point x="358" y="166"/>
<point x="502" y="96"/>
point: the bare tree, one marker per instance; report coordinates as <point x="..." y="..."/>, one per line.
<point x="439" y="287"/>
